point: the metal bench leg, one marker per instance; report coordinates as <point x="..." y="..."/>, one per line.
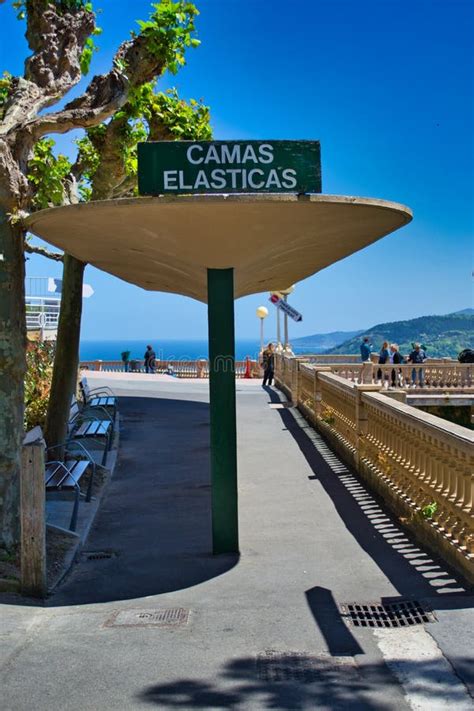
<point x="89" y="487"/>
<point x="104" y="456"/>
<point x="73" y="524"/>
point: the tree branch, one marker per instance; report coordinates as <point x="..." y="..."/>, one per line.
<point x="56" y="256"/>
<point x="106" y="93"/>
<point x="57" y="41"/>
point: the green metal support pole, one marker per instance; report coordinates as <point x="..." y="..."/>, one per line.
<point x="220" y="294"/>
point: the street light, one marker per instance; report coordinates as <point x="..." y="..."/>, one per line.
<point x="262" y="312"/>
<point x="279" y="347"/>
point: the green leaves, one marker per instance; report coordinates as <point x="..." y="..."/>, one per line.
<point x="183" y="120"/>
<point x="88" y="156"/>
<point x="5" y="87"/>
<point x="86" y="56"/>
<point x="186" y="121"/>
<point x="429" y="510"/>
<point x="47" y="172"/>
<point x="169" y="31"/>
<point x="88" y="52"/>
<point x="39" y="364"/>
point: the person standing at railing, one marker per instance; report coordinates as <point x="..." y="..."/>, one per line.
<point x="268" y="364"/>
<point x="150" y="360"/>
<point x="417" y="355"/>
<point x="397" y="359"/>
<point x="384" y="357"/>
<point x="125" y="355"/>
<point x="365" y="349"/>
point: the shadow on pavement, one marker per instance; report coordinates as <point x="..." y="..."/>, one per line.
<point x="300" y="682"/>
<point x="339" y="640"/>
<point x="412" y="571"/>
<point x="155" y="519"/>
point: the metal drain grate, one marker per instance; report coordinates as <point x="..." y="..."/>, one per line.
<point x="277" y="666"/>
<point x="172" y="617"/>
<point x="98" y="555"/>
<point x="403" y="613"/>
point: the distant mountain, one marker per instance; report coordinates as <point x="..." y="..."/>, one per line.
<point x="466" y="312"/>
<point x="443" y="336"/>
<point x="319" y="342"/>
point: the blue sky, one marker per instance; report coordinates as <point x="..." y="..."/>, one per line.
<point x="385" y="85"/>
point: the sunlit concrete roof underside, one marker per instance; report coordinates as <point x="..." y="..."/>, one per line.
<point x="167" y="243"/>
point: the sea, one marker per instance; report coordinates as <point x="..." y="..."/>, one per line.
<point x="165" y="349"/>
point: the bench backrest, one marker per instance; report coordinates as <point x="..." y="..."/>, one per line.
<point x="85" y="390"/>
<point x="74" y="409"/>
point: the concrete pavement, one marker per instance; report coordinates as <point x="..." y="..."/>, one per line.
<point x="259" y="631"/>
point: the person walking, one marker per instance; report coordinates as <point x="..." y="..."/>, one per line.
<point x="268" y="363"/>
<point x="150" y="360"/>
<point x="365" y="349"/>
<point x="384" y="357"/>
<point x="396" y="358"/>
<point x="417" y="355"/>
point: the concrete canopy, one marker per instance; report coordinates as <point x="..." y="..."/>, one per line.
<point x="168" y="243"/>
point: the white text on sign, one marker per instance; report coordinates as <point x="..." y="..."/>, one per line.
<point x="241" y="178"/>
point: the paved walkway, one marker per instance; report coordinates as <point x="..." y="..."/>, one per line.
<point x="263" y="631"/>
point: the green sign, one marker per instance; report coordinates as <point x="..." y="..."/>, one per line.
<point x="229" y="167"/>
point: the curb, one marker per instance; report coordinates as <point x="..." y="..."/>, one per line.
<point x="75" y="550"/>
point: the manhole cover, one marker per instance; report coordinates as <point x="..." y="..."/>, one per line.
<point x="98" y="555"/>
<point x="173" y="617"/>
<point x="273" y="665"/>
<point x="403" y="613"/>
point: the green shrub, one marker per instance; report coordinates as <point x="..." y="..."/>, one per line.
<point x="39" y="372"/>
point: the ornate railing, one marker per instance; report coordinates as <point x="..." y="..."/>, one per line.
<point x="443" y="374"/>
<point x="178" y="368"/>
<point x="427" y="461"/>
<point x="422" y="465"/>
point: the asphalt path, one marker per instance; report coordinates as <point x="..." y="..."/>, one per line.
<point x="154" y="620"/>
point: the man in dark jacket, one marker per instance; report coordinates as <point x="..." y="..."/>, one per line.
<point x="150" y="360"/>
<point x="417" y="355"/>
<point x="365" y="349"/>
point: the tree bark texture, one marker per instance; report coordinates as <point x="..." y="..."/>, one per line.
<point x="12" y="374"/>
<point x="66" y="359"/>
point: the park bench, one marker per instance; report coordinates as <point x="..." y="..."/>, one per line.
<point x="98" y="397"/>
<point x="85" y="423"/>
<point x="66" y="473"/>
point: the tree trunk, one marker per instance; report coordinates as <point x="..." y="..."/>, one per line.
<point x="12" y="374"/>
<point x="66" y="360"/>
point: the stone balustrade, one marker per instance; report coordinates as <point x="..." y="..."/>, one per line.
<point x="179" y="368"/>
<point x="434" y="375"/>
<point x="422" y="465"/>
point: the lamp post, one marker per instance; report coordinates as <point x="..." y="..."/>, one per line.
<point x="279" y="347"/>
<point x="262" y="312"/>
